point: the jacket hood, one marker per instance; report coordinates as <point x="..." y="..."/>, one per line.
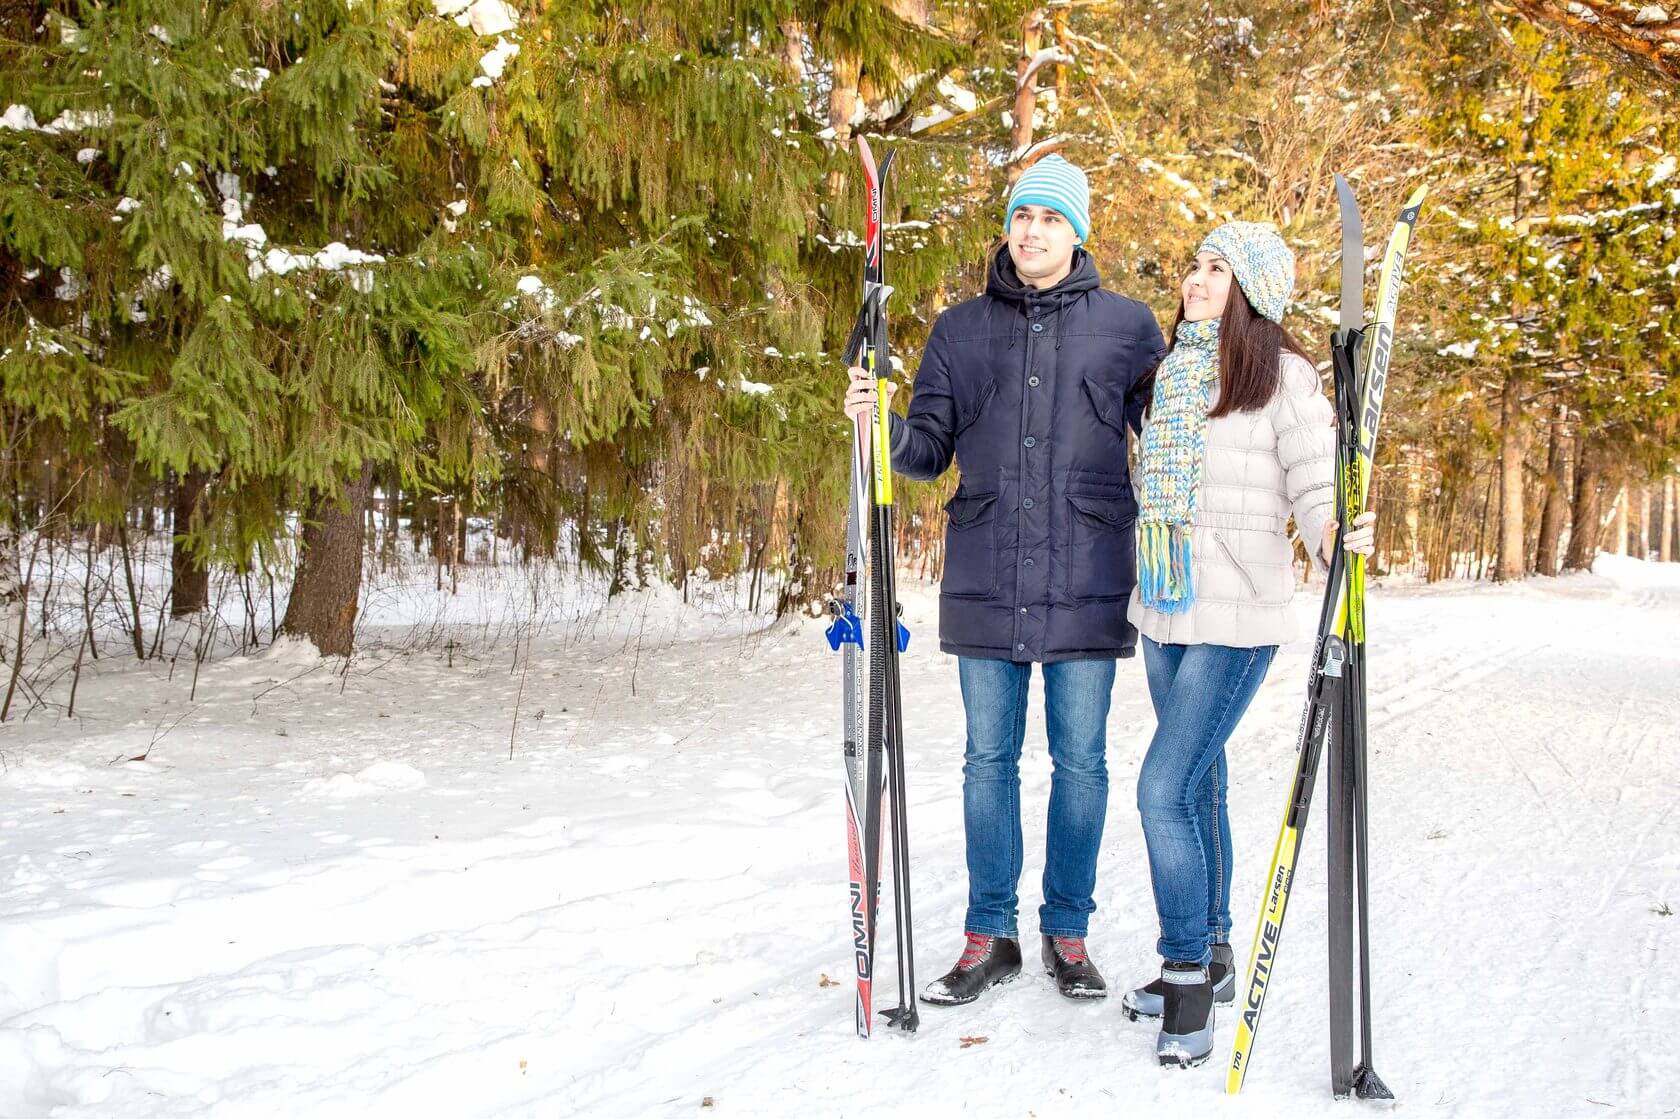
<point x="1003" y="283"/>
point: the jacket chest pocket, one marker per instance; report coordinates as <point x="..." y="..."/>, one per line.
<point x="1102" y="547"/>
<point x="970" y="546"/>
<point x="1109" y="407"/>
<point x="970" y="410"/>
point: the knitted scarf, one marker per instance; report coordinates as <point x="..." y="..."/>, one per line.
<point x="1171" y="461"/>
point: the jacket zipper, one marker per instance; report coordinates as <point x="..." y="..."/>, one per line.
<point x="1236" y="563"/>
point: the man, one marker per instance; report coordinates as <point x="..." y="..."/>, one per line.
<point x="1030" y="387"/>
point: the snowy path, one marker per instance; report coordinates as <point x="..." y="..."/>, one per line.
<point x="332" y="895"/>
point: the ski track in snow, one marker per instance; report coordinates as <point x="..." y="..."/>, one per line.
<point x="336" y="894"/>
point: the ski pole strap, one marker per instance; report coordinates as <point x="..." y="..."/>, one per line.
<point x="846" y="629"/>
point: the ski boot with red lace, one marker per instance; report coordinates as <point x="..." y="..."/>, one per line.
<point x="1069" y="964"/>
<point x="986" y="961"/>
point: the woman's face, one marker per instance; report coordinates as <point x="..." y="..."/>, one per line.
<point x="1206" y="287"/>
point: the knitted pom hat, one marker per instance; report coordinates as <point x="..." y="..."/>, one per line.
<point x="1261" y="262"/>
<point x="1057" y="184"/>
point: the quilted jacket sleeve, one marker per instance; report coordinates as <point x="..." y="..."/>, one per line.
<point x="924" y="441"/>
<point x="1306" y="449"/>
<point x="1151" y="349"/>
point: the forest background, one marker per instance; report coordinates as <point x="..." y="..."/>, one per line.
<point x="301" y="293"/>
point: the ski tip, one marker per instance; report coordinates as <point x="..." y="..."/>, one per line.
<point x="1415" y="202"/>
<point x="874" y="170"/>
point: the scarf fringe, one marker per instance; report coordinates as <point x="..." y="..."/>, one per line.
<point x="1164" y="568"/>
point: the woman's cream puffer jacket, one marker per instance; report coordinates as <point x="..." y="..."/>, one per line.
<point x="1259" y="468"/>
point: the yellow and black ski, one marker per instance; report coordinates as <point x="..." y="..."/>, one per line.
<point x="1361" y="359"/>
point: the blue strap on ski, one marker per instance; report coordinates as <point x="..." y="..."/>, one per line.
<point x="847" y="629"/>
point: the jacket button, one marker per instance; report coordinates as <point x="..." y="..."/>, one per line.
<point x="1023" y="609"/>
<point x="1020" y="646"/>
<point x="1028" y="562"/>
<point x="1038" y="328"/>
<point x="1029" y="442"/>
<point x="1028" y="503"/>
<point x="1033" y="381"/>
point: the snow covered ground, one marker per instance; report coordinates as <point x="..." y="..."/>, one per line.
<point x="329" y="892"/>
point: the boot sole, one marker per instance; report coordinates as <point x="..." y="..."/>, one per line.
<point x="975" y="997"/>
<point x="1182" y="1062"/>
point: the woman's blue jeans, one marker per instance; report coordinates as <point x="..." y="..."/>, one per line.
<point x="1076" y="698"/>
<point x="1199" y="692"/>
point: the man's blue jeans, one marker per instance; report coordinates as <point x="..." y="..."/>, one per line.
<point x="1199" y="693"/>
<point x="1076" y="697"/>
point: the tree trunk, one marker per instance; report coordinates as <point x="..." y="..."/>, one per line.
<point x="1642" y="543"/>
<point x="842" y="104"/>
<point x="787" y="599"/>
<point x="1026" y="90"/>
<point x="1619" y="541"/>
<point x="189" y="588"/>
<point x="1623" y="31"/>
<point x="457" y="547"/>
<point x="1060" y="23"/>
<point x="843" y="98"/>
<point x="793" y="49"/>
<point x="438" y="542"/>
<point x="328" y="583"/>
<point x="1674" y="520"/>
<point x="1552" y="514"/>
<point x="539" y="449"/>
<point x="1478" y="554"/>
<point x="620" y="581"/>
<point x="1414" y="514"/>
<point x="1585" y="526"/>
<point x="393" y="506"/>
<point x="1511" y="542"/>
<point x="1665" y="541"/>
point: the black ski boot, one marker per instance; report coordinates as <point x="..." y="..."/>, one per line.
<point x="1067" y="962"/>
<point x="1145" y="1001"/>
<point x="1186" y="1036"/>
<point x="986" y="961"/>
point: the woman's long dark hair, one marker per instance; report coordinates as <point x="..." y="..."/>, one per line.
<point x="1249" y="347"/>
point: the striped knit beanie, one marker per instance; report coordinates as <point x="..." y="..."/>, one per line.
<point x="1261" y="262"/>
<point x="1055" y="183"/>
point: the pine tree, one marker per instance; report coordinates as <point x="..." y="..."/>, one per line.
<point x="1567" y="297"/>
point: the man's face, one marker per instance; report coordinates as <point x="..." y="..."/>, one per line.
<point x="1041" y="243"/>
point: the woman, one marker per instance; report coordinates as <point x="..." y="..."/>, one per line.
<point x="1239" y="437"/>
